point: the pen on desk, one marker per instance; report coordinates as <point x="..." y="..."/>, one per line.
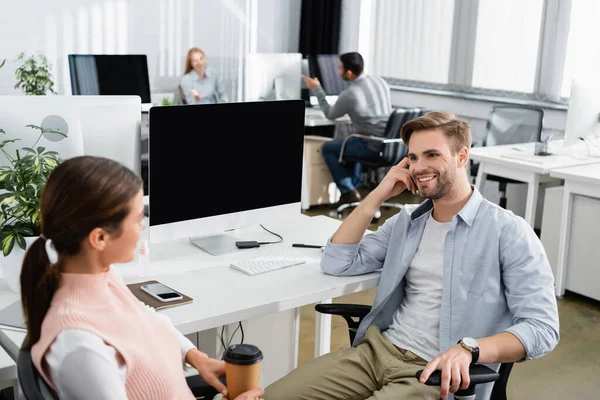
<point x="548" y="139"/>
<point x="308" y="246"/>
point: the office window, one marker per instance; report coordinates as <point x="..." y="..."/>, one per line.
<point x="583" y="43"/>
<point x="411" y="39"/>
<point x="506" y="44"/>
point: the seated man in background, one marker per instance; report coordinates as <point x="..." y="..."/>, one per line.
<point x="367" y="101"/>
<point x="200" y="84"/>
<point x="463" y="281"/>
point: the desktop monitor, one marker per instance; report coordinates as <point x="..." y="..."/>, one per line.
<point x="110" y="74"/>
<point x="111" y="128"/>
<point x="105" y="126"/>
<point x="305" y="92"/>
<point x="49" y="112"/>
<point x="272" y="76"/>
<point x="203" y="183"/>
<point x="583" y="115"/>
<point x="327" y="70"/>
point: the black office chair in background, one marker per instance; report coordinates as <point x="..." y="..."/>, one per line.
<point x="182" y="99"/>
<point x="34" y="387"/>
<point x="393" y="151"/>
<point x="510" y="125"/>
<point x="478" y="373"/>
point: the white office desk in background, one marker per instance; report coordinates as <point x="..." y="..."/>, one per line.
<point x="268" y="305"/>
<point x="577" y="266"/>
<point x="314" y="116"/>
<point x="518" y="162"/>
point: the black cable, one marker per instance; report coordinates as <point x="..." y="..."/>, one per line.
<point x="273" y="233"/>
<point x="232" y="335"/>
<point x="223" y="341"/>
<point x="242" y="329"/>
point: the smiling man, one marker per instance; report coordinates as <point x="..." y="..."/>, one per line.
<point x="462" y="281"/>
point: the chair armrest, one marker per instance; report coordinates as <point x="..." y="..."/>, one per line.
<point x="341" y="157"/>
<point x="344" y="310"/>
<point x="478" y="373"/>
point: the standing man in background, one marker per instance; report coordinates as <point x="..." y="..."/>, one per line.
<point x="200" y="84"/>
<point x="367" y="101"/>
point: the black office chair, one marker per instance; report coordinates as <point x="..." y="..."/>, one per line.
<point x="510" y="125"/>
<point x="181" y="95"/>
<point x="34" y="387"/>
<point x="478" y="373"/>
<point x="393" y="151"/>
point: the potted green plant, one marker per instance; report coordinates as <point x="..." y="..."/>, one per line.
<point x="33" y="76"/>
<point x="166" y="101"/>
<point x="22" y="180"/>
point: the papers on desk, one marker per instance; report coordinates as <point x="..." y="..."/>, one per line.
<point x="11" y="318"/>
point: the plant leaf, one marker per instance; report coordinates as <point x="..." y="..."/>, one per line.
<point x="7" y="244"/>
<point x="6" y="198"/>
<point x="20" y="241"/>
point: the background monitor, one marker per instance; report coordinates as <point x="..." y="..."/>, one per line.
<point x="305" y="92"/>
<point x="110" y="74"/>
<point x="111" y="128"/>
<point x="326" y="68"/>
<point x="583" y="115"/>
<point x="210" y="181"/>
<point x="272" y="76"/>
<point x="49" y="112"/>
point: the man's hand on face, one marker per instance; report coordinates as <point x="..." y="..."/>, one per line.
<point x="311" y="82"/>
<point x="396" y="181"/>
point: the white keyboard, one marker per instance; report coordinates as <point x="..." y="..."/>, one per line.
<point x="271" y="262"/>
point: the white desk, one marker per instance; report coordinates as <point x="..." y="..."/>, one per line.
<point x="584" y="181"/>
<point x="313" y="116"/>
<point x="224" y="296"/>
<point x="522" y="165"/>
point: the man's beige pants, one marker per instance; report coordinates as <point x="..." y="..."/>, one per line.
<point x="375" y="369"/>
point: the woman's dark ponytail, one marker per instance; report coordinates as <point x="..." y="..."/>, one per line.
<point x="39" y="282"/>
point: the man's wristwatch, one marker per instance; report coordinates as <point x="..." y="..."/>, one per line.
<point x="472" y="345"/>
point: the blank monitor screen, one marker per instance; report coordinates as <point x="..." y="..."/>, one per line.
<point x="110" y="74"/>
<point x="329" y="74"/>
<point x="213" y="159"/>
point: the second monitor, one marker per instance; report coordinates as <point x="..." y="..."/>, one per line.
<point x="218" y="167"/>
<point x="272" y="76"/>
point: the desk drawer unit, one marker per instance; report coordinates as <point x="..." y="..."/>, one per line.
<point x="312" y="152"/>
<point x="319" y="183"/>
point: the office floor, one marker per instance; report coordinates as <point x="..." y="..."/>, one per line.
<point x="571" y="371"/>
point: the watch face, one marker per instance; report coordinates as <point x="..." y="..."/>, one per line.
<point x="472" y="343"/>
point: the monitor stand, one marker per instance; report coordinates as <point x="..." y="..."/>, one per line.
<point x="216" y="245"/>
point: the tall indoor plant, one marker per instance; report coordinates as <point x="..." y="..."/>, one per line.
<point x="22" y="180"/>
<point x="34" y="75"/>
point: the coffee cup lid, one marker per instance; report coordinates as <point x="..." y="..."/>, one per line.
<point x="243" y="354"/>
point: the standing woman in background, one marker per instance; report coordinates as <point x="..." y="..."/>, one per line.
<point x="90" y="337"/>
<point x="200" y="84"/>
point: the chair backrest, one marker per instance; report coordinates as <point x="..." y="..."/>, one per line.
<point x="393" y="153"/>
<point x="181" y="95"/>
<point x="33" y="386"/>
<point x="513" y="124"/>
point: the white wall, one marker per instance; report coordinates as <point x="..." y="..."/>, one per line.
<point x="162" y="29"/>
<point x="278" y="26"/>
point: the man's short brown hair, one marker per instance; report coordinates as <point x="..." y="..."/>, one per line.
<point x="457" y="130"/>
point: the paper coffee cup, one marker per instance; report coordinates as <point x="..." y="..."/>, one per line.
<point x="242" y="368"/>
